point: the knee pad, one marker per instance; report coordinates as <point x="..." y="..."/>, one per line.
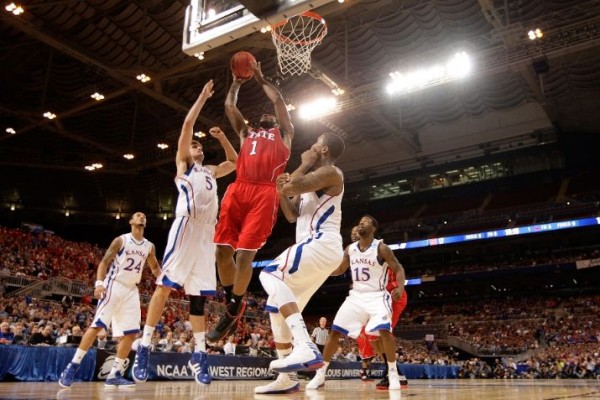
<point x="281" y="331"/>
<point x="279" y="293"/>
<point x="197" y="305"/>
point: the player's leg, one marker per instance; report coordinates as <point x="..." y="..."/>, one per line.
<point x="68" y="375"/>
<point x="348" y="321"/>
<point x="107" y="307"/>
<point x="115" y="377"/>
<point x="305" y="354"/>
<point x="286" y="382"/>
<point x="389" y="351"/>
<point x="199" y="359"/>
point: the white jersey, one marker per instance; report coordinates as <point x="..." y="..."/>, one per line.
<point x="368" y="273"/>
<point x="129" y="262"/>
<point x="319" y="214"/>
<point x="197" y="194"/>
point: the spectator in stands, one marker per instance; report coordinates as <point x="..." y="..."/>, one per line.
<point x="6" y="336"/>
<point x="19" y="337"/>
<point x="229" y="347"/>
<point x="166" y="343"/>
<point x="43" y="338"/>
<point x="352" y="355"/>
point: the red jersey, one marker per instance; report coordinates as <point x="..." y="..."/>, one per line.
<point x="392" y="283"/>
<point x="263" y="156"/>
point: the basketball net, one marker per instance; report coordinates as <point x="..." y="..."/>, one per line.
<point x="295" y="38"/>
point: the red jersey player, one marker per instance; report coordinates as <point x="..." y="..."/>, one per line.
<point x="249" y="207"/>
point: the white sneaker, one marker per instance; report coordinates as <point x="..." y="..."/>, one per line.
<point x="318" y="380"/>
<point x="304" y="357"/>
<point x="394" y="381"/>
<point x="285" y="383"/>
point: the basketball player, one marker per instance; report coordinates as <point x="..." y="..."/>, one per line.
<point x="290" y="281"/>
<point x="368" y="303"/>
<point x="370" y="345"/>
<point x="119" y="300"/>
<point x="249" y="207"/>
<point x="189" y="259"/>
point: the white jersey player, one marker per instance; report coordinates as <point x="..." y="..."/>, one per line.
<point x="368" y="304"/>
<point x="118" y="274"/>
<point x="189" y="259"/>
<point x="291" y="280"/>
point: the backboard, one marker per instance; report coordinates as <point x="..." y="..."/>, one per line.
<point x="213" y="23"/>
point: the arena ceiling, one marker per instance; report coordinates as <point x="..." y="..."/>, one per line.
<point x="57" y="53"/>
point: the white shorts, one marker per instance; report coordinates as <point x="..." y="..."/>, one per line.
<point x="189" y="260"/>
<point x="120" y="307"/>
<point x="373" y="310"/>
<point x="305" y="266"/>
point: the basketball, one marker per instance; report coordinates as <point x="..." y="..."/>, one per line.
<point x="241" y="64"/>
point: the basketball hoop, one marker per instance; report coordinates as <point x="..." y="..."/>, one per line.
<point x="295" y="38"/>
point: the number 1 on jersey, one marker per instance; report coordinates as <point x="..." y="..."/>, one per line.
<point x="253" y="151"/>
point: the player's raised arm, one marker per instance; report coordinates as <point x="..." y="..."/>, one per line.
<point x="227" y="166"/>
<point x="281" y="112"/>
<point x="183" y="158"/>
<point x="236" y="119"/>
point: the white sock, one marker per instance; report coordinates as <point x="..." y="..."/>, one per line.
<point x="117" y="367"/>
<point x="323" y="369"/>
<point x="79" y="354"/>
<point x="147" y="335"/>
<point x="392" y="369"/>
<point x="298" y="328"/>
<point x="200" y="339"/>
<point x="284" y="353"/>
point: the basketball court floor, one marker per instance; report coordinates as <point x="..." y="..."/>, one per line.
<point x="340" y="389"/>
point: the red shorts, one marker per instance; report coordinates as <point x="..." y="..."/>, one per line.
<point x="248" y="214"/>
<point x="364" y="340"/>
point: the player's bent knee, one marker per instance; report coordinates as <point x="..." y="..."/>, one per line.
<point x="278" y="291"/>
<point x="197" y="305"/>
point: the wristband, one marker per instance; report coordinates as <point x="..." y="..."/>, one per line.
<point x="99" y="283"/>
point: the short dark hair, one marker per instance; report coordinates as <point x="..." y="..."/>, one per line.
<point x="196" y="142"/>
<point x="335" y="143"/>
<point x="373" y="221"/>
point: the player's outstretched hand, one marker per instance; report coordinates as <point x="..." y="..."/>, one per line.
<point x="258" y="75"/>
<point x="216" y="132"/>
<point x="207" y="90"/>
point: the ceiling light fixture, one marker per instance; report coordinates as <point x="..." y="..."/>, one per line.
<point x="143" y="78"/>
<point x="457" y="67"/>
<point x="49" y="115"/>
<point x="11" y="131"/>
<point x="535" y="34"/>
<point x="97" y="96"/>
<point x="162" y="146"/>
<point x="200" y="134"/>
<point x="128" y="156"/>
<point x="199" y="56"/>
<point x="16" y="9"/>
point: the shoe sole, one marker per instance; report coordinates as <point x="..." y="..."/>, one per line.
<point x="63" y="385"/>
<point x="294" y="389"/>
